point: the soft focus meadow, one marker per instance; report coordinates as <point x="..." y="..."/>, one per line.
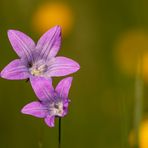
<point x="109" y="95"/>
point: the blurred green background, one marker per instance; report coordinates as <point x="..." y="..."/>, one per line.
<point x="108" y="96"/>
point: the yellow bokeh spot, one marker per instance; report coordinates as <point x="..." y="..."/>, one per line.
<point x="51" y="14"/>
<point x="143" y="135"/>
<point x="131" y="46"/>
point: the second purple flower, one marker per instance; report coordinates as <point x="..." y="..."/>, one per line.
<point x="52" y="102"/>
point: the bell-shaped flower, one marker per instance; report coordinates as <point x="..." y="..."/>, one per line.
<point x="52" y="103"/>
<point x="38" y="59"/>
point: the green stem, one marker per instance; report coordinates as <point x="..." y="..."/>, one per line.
<point x="59" y="144"/>
<point x="40" y="142"/>
<point x="138" y="102"/>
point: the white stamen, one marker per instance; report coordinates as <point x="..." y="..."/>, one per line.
<point x="56" y="109"/>
<point x="38" y="69"/>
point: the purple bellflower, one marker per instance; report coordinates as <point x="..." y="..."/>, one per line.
<point x="52" y="103"/>
<point x="38" y="59"/>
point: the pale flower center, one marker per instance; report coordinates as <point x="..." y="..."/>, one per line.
<point x="56" y="108"/>
<point x="38" y="69"/>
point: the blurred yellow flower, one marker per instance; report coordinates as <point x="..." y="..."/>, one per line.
<point x="51" y="14"/>
<point x="131" y="46"/>
<point x="143" y="135"/>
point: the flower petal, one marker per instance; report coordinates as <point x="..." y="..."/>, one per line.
<point x="65" y="105"/>
<point x="62" y="66"/>
<point x="63" y="87"/>
<point x="15" y="70"/>
<point x="43" y="87"/>
<point x="35" y="109"/>
<point x="49" y="120"/>
<point x="21" y="43"/>
<point x="49" y="44"/>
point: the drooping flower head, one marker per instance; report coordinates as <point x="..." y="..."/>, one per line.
<point x="38" y="59"/>
<point x="52" y="103"/>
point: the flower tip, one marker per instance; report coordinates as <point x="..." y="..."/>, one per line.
<point x="3" y="74"/>
<point x="22" y="111"/>
<point x="58" y="28"/>
<point x="77" y="66"/>
<point x="10" y="31"/>
<point x="51" y="125"/>
<point x="49" y="120"/>
<point x="25" y="109"/>
<point x="69" y="79"/>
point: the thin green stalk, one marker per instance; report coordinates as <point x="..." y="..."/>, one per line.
<point x="59" y="142"/>
<point x="40" y="141"/>
<point x="124" y="121"/>
<point x="138" y="101"/>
